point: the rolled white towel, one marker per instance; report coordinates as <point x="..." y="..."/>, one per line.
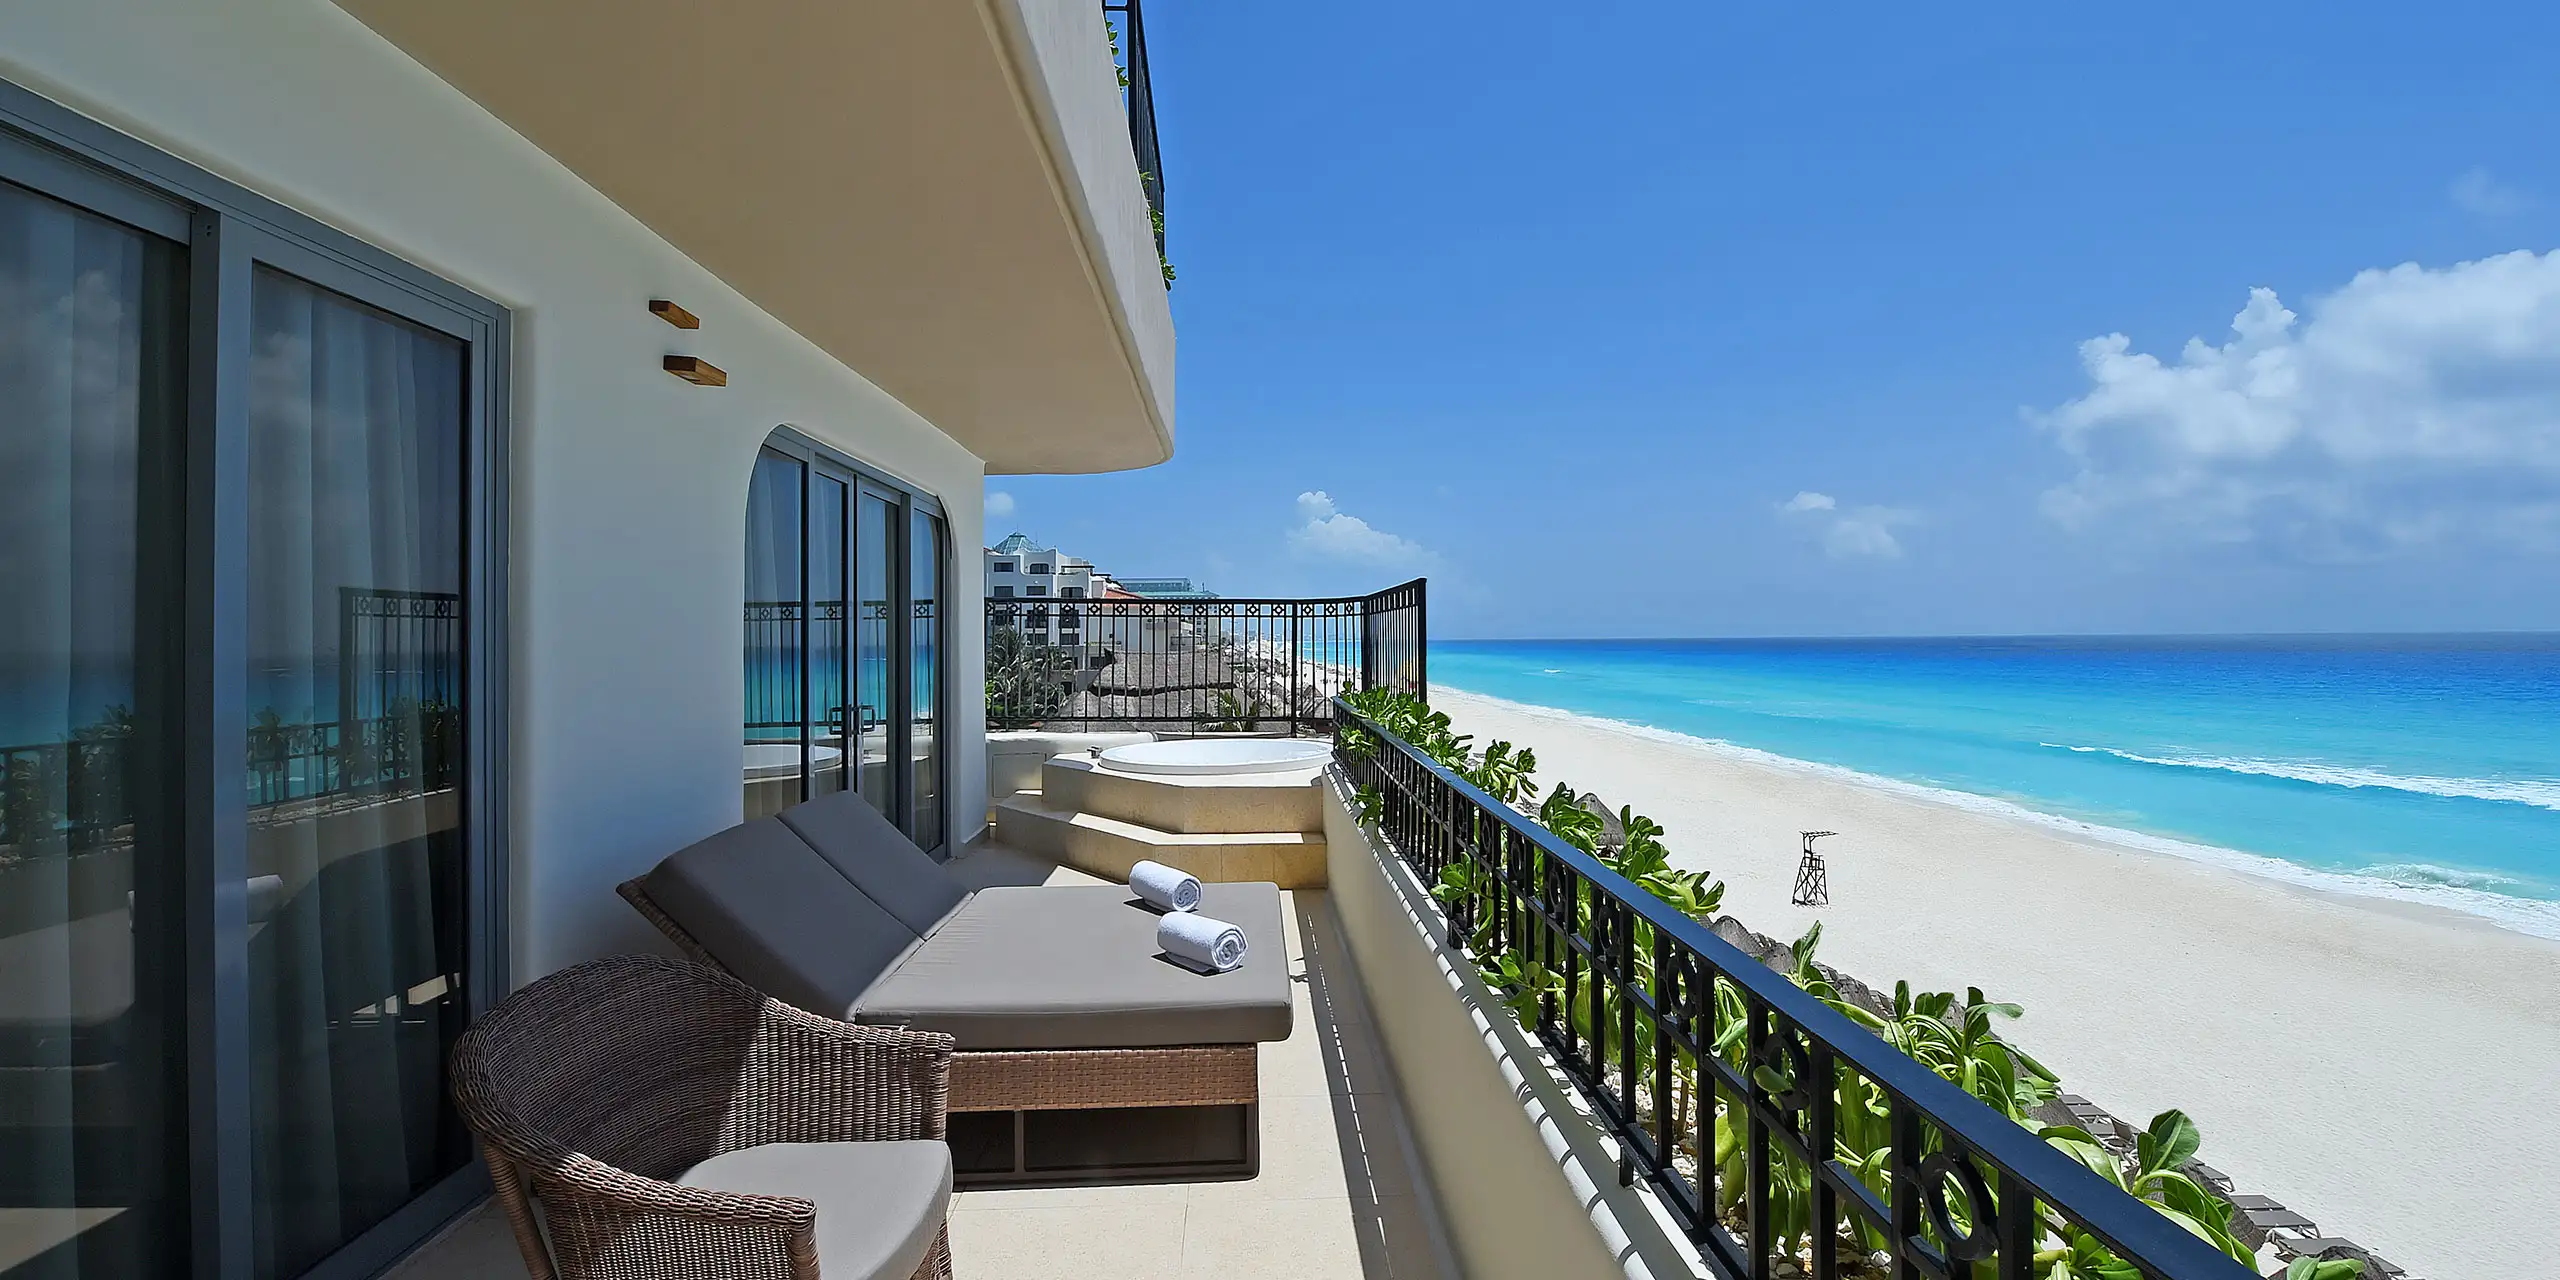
<point x="1198" y="942"/>
<point x="1165" y="888"/>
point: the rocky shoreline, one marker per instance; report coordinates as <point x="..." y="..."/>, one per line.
<point x="2259" y="1220"/>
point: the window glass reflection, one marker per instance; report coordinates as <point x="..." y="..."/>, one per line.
<point x="356" y="747"/>
<point x="775" y="636"/>
<point x="90" y="1129"/>
<point x="925" y="684"/>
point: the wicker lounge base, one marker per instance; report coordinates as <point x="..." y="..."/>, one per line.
<point x="1082" y="1079"/>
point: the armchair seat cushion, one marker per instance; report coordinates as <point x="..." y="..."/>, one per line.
<point x="880" y="1204"/>
<point x="1057" y="967"/>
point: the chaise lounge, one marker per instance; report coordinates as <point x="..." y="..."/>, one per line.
<point x="1057" y="996"/>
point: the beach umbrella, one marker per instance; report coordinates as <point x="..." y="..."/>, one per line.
<point x="1613" y="832"/>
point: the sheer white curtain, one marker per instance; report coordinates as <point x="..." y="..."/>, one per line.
<point x="355" y="547"/>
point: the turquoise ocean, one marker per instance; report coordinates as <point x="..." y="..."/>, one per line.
<point x="2422" y="768"/>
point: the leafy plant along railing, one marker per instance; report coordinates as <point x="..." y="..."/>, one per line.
<point x="1765" y="1119"/>
<point x="1198" y="666"/>
<point x="1138" y="91"/>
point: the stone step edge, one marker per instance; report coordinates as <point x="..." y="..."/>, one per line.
<point x="1202" y="810"/>
<point x="1028" y="805"/>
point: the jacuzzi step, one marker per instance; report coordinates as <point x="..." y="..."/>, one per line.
<point x="1240" y="803"/>
<point x="1031" y="822"/>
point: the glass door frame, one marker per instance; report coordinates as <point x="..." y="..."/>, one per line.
<point x="898" y="754"/>
<point x="193" y="572"/>
<point x="906" y="502"/>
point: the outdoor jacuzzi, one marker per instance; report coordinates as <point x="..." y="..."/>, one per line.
<point x="770" y="760"/>
<point x="1205" y="756"/>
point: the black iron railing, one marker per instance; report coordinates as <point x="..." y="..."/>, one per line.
<point x="1393" y="640"/>
<point x="415" y="746"/>
<point x="398" y="728"/>
<point x="1198" y="666"/>
<point x="397" y="647"/>
<point x="1137" y="88"/>
<point x="1634" y="1000"/>
<point x="847" y="687"/>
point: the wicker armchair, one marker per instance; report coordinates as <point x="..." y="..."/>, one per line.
<point x="592" y="1090"/>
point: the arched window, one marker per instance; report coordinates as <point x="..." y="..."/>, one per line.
<point x="844" y="638"/>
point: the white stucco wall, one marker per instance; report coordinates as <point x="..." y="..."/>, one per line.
<point x="629" y="485"/>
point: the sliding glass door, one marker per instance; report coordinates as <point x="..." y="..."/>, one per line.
<point x="924" y="680"/>
<point x="876" y="550"/>
<point x="354" y="830"/>
<point x="835" y="728"/>
<point x="248" y="724"/>
<point x="92" y="1124"/>
<point x="777" y="633"/>
<point x="845" y="575"/>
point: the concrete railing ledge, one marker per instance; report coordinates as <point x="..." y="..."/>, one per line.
<point x="1527" y="1177"/>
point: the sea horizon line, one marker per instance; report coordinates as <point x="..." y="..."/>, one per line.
<point x="1953" y="636"/>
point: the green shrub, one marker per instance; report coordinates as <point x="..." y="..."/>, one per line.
<point x="1026" y="680"/>
<point x="1956" y="1038"/>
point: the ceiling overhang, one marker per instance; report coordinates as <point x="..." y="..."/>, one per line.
<point x="939" y="193"/>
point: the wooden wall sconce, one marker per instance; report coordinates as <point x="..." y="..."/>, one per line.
<point x="698" y="371"/>
<point x="693" y="369"/>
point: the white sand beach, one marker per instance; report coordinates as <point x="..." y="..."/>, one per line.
<point x="2386" y="1069"/>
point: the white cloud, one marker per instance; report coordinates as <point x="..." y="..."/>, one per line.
<point x="2413" y="405"/>
<point x="1325" y="530"/>
<point x="1848" y="534"/>
<point x="999" y="504"/>
<point x="2478" y="192"/>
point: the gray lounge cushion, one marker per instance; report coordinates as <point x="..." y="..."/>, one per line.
<point x="777" y="915"/>
<point x="880" y="1204"/>
<point x="871" y="852"/>
<point x="1058" y="967"/>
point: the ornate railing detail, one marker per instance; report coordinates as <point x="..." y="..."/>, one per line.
<point x="847" y="688"/>
<point x="1198" y="666"/>
<point x="397" y="727"/>
<point x="1664" y="1027"/>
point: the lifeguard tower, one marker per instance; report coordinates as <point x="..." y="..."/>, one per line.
<point x="1813" y="879"/>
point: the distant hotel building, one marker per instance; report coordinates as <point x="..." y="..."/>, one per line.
<point x="1040" y="588"/>
<point x="1047" y="583"/>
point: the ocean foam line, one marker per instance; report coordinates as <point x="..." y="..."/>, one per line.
<point x="2542" y="793"/>
<point x="2403" y="882"/>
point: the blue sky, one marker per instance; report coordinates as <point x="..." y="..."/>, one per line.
<point x="1741" y="318"/>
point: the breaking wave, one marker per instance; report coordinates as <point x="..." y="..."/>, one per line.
<point x="2542" y="793"/>
<point x="2513" y="904"/>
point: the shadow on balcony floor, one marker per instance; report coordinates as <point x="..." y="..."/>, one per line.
<point x="1337" y="1198"/>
